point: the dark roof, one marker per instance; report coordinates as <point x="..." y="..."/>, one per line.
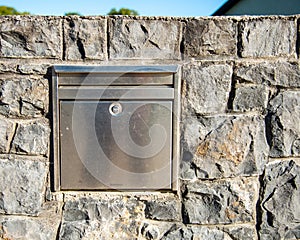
<point x="225" y="7"/>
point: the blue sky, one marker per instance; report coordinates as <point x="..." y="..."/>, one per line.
<point x="101" y="7"/>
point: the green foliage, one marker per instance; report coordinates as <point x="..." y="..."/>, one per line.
<point x="4" y="10"/>
<point x="122" y="11"/>
<point x="72" y="13"/>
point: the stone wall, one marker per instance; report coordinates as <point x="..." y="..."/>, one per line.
<point x="240" y="137"/>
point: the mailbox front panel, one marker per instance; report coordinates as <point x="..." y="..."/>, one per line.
<point x="116" y="144"/>
<point x="116" y="127"/>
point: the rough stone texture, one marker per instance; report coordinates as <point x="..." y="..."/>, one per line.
<point x="282" y="74"/>
<point x="177" y="232"/>
<point x="116" y="218"/>
<point x="26" y="228"/>
<point x="208" y="234"/>
<point x="80" y="230"/>
<point x="33" y="68"/>
<point x="225" y="146"/>
<point x="6" y="132"/>
<point x="187" y="169"/>
<point x="210" y="37"/>
<point x="218" y="202"/>
<point x="86" y="230"/>
<point x="103" y="209"/>
<point x="144" y="39"/>
<point x="245" y="232"/>
<point x="26" y="97"/>
<point x="32" y="138"/>
<point x="23" y="67"/>
<point x="22" y="186"/>
<point x="207" y="87"/>
<point x="151" y="230"/>
<point x="85" y="38"/>
<point x="250" y="98"/>
<point x="163" y="209"/>
<point x="30" y="36"/>
<point x="264" y="37"/>
<point x="8" y="67"/>
<point x="164" y="231"/>
<point x="280" y="201"/>
<point x="283" y="124"/>
<point x="171" y="231"/>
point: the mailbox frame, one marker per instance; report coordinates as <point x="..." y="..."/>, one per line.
<point x="64" y="77"/>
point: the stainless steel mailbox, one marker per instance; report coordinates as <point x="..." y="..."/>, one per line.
<point x="116" y="127"/>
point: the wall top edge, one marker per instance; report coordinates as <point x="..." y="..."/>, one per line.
<point x="166" y="18"/>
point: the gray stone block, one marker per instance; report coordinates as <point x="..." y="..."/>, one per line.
<point x="177" y="232"/>
<point x="144" y="39"/>
<point x="34" y="68"/>
<point x="22" y="186"/>
<point x="26" y="97"/>
<point x="210" y="37"/>
<point x="32" y="138"/>
<point x="207" y="88"/>
<point x="224" y="146"/>
<point x="24" y="67"/>
<point x="27" y="228"/>
<point x="245" y="232"/>
<point x="6" y="133"/>
<point x="170" y="231"/>
<point x="8" y="67"/>
<point x="187" y="169"/>
<point x="102" y="210"/>
<point x="89" y="218"/>
<point x="119" y="230"/>
<point x="207" y="233"/>
<point x="250" y="98"/>
<point x="280" y="201"/>
<point x="78" y="231"/>
<point x="283" y="74"/>
<point x="85" y="38"/>
<point x="30" y="36"/>
<point x="268" y="37"/>
<point x="220" y="202"/>
<point x="151" y="230"/>
<point x="163" y="209"/>
<point x="287" y="74"/>
<point x="283" y="124"/>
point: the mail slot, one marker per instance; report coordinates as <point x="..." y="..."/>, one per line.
<point x="116" y="127"/>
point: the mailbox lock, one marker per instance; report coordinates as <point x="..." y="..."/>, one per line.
<point x="115" y="108"/>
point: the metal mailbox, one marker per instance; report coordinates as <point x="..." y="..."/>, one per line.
<point x="115" y="127"/>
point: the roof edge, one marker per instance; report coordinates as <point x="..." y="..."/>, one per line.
<point x="225" y="7"/>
